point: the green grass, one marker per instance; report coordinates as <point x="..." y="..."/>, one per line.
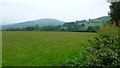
<point x="0" y="48"/>
<point x="24" y="48"/>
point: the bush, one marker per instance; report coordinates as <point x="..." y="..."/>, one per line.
<point x="106" y="48"/>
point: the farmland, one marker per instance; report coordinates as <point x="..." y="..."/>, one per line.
<point x="35" y="48"/>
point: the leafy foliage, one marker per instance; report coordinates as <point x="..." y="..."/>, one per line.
<point x="115" y="12"/>
<point x="106" y="48"/>
<point x="93" y="28"/>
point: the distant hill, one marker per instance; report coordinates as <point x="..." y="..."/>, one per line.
<point x="103" y="19"/>
<point x="40" y="22"/>
<point x="44" y="22"/>
<point x="91" y="22"/>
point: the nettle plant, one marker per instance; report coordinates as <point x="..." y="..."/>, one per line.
<point x="105" y="50"/>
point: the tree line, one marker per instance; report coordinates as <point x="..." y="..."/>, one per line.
<point x="68" y="27"/>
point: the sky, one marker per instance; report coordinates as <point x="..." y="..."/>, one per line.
<point x="14" y="11"/>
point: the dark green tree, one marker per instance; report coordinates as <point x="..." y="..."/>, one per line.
<point x="93" y="28"/>
<point x="30" y="28"/>
<point x="50" y="28"/>
<point x="115" y="12"/>
<point x="71" y="28"/>
<point x="83" y="25"/>
<point x="36" y="27"/>
<point x="90" y="29"/>
<point x="62" y="29"/>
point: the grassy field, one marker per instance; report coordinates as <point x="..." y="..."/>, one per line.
<point x="24" y="48"/>
<point x="0" y="49"/>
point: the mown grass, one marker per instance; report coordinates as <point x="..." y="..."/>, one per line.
<point x="25" y="48"/>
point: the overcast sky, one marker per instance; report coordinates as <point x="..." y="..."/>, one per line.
<point x="14" y="11"/>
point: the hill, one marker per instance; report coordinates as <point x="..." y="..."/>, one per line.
<point x="91" y="22"/>
<point x="87" y="25"/>
<point x="40" y="22"/>
<point x="101" y="21"/>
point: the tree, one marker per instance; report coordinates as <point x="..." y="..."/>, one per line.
<point x="115" y="12"/>
<point x="68" y="24"/>
<point x="36" y="27"/>
<point x="91" y="28"/>
<point x="70" y="28"/>
<point x="83" y="25"/>
<point x="30" y="28"/>
<point x="62" y="29"/>
<point x="14" y="29"/>
<point x="110" y="1"/>
<point x="50" y="28"/>
<point x="89" y="19"/>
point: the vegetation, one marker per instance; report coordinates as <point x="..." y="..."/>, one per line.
<point x="31" y="48"/>
<point x="77" y="26"/>
<point x="93" y="28"/>
<point x="105" y="50"/>
<point x="70" y="28"/>
<point x="115" y="13"/>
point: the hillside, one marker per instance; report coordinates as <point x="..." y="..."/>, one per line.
<point x="91" y="22"/>
<point x="40" y="22"/>
<point x="45" y="22"/>
<point x="99" y="20"/>
<point x="102" y="19"/>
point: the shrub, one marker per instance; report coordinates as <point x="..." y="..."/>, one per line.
<point x="106" y="48"/>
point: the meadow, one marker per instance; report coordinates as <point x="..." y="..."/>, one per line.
<point x="35" y="48"/>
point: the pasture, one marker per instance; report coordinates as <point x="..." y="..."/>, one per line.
<point x="30" y="48"/>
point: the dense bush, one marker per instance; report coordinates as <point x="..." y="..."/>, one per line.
<point x="106" y="48"/>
